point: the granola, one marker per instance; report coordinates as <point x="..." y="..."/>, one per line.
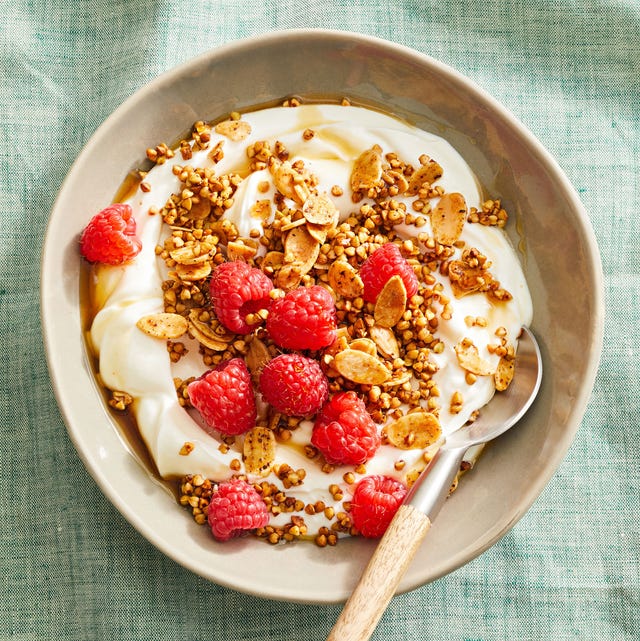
<point x="308" y="205"/>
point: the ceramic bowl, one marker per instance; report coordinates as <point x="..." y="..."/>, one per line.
<point x="558" y="253"/>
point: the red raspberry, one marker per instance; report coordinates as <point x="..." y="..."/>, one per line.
<point x="294" y="385"/>
<point x="385" y="262"/>
<point x="237" y="289"/>
<point x="304" y="319"/>
<point x="235" y="508"/>
<point x="224" y="398"/>
<point x="344" y="431"/>
<point x="374" y="503"/>
<point x="110" y="236"/>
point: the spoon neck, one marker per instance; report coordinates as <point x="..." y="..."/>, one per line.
<point x="432" y="487"/>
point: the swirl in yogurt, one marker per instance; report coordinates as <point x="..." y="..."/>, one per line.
<point x="326" y="140"/>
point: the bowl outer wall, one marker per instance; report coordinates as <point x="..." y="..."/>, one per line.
<point x="559" y="255"/>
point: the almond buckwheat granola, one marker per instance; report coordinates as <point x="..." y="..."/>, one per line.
<point x="348" y="241"/>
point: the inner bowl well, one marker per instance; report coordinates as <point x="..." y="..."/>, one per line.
<point x="548" y="225"/>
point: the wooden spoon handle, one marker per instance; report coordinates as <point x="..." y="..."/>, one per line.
<point x="382" y="575"/>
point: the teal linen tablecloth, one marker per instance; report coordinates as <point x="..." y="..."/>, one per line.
<point x="72" y="568"/>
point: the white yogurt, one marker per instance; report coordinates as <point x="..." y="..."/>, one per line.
<point x="130" y="360"/>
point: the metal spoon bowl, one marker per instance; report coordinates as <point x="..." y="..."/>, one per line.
<point x="506" y="408"/>
<point x="413" y="519"/>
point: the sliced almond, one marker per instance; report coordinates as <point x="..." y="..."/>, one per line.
<point x="302" y="192"/>
<point x="345" y="280"/>
<point x="365" y="345"/>
<point x="289" y="276"/>
<point x="191" y="273"/>
<point x="290" y="182"/>
<point x="504" y="373"/>
<point x="426" y="174"/>
<point x="213" y="328"/>
<point x="190" y="255"/>
<point x="367" y="169"/>
<point x="319" y="209"/>
<point x="272" y="261"/>
<point x="360" y="367"/>
<point x="401" y="183"/>
<point x="207" y="341"/>
<point x="235" y="130"/>
<point x="470" y="360"/>
<point x="301" y="248"/>
<point x="283" y="177"/>
<point x="163" y="325"/>
<point x="200" y="208"/>
<point x="238" y="250"/>
<point x="259" y="450"/>
<point x="319" y="232"/>
<point x="257" y="357"/>
<point x="417" y="430"/>
<point x="391" y="303"/>
<point x="399" y="377"/>
<point x="385" y="341"/>
<point x="448" y="218"/>
<point x="292" y="224"/>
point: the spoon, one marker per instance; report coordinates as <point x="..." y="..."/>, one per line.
<point x="413" y="519"/>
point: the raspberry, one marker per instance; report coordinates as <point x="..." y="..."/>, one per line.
<point x="110" y="236"/>
<point x="235" y="508"/>
<point x="374" y="503"/>
<point x="237" y="289"/>
<point x="385" y="262"/>
<point x="294" y="385"/>
<point x="224" y="398"/>
<point x="305" y="318"/>
<point x="344" y="431"/>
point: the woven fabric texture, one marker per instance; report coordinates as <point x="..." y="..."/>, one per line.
<point x="72" y="568"/>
